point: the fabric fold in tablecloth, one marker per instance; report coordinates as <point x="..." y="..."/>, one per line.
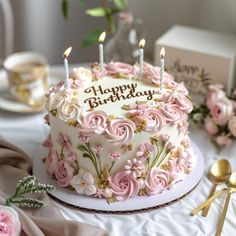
<point x="47" y="220"/>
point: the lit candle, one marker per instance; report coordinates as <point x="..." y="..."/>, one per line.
<point x="162" y="66"/>
<point x="101" y="52"/>
<point x="141" y="53"/>
<point x="65" y="55"/>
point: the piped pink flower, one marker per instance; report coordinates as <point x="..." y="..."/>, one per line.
<point x="51" y="162"/>
<point x="64" y="141"/>
<point x="145" y="150"/>
<point x="134" y="168"/>
<point x="119" y="68"/>
<point x="83" y="138"/>
<point x="63" y="173"/>
<point x="114" y="156"/>
<point x="123" y="186"/>
<point x="164" y="137"/>
<point x="93" y="122"/>
<point x="48" y="142"/>
<point x="157" y="181"/>
<point x="97" y="148"/>
<point x="120" y="131"/>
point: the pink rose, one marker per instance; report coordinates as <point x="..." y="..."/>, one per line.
<point x="210" y="126"/>
<point x="119" y="68"/>
<point x="120" y="131"/>
<point x="180" y="100"/>
<point x="232" y="126"/>
<point x="63" y="173"/>
<point x="92" y="123"/>
<point x="215" y="92"/>
<point x="172" y="113"/>
<point x="157" y="181"/>
<point x="123" y="186"/>
<point x="51" y="161"/>
<point x="222" y="111"/>
<point x="9" y="222"/>
<point x="223" y="141"/>
<point x="155" y="119"/>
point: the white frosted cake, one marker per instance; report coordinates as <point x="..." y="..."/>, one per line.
<point x="118" y="135"/>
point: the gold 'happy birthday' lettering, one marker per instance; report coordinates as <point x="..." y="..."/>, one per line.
<point x="114" y="94"/>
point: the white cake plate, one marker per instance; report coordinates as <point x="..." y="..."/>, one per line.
<point x="135" y="204"/>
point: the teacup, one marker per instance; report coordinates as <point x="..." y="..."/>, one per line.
<point x="27" y="76"/>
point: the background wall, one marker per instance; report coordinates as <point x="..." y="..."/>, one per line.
<point x="39" y="25"/>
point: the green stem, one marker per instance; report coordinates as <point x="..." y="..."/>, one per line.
<point x="100" y="164"/>
<point x="94" y="159"/>
<point x="160" y="162"/>
<point x="159" y="154"/>
<point x="111" y="166"/>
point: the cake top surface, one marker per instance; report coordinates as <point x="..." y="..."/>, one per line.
<point x="121" y="88"/>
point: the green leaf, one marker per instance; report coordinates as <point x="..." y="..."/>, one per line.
<point x="91" y="38"/>
<point x="64" y="8"/>
<point x="120" y="4"/>
<point x="97" y="12"/>
<point x="86" y="155"/>
<point x="82" y="148"/>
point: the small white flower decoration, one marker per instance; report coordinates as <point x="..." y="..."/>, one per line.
<point x="107" y="193"/>
<point x="83" y="183"/>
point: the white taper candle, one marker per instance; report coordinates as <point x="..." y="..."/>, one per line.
<point x="141" y="55"/>
<point x="101" y="52"/>
<point x="65" y="55"/>
<point x="162" y="66"/>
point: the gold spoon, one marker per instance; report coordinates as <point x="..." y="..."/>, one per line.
<point x="219" y="173"/>
<point x="232" y="188"/>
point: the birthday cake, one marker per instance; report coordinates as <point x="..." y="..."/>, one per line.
<point x="118" y="134"/>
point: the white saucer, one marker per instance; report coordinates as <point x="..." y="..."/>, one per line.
<point x="8" y="103"/>
<point x="136" y="204"/>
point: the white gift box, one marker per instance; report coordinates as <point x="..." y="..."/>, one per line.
<point x="198" y="57"/>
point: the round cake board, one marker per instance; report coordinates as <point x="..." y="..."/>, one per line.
<point x="135" y="204"/>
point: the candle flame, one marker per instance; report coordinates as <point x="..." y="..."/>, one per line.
<point x="67" y="52"/>
<point x="162" y="53"/>
<point x="102" y="37"/>
<point x="141" y="43"/>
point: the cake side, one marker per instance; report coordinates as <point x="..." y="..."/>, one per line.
<point x="118" y="136"/>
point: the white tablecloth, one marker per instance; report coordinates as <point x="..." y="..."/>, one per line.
<point x="28" y="131"/>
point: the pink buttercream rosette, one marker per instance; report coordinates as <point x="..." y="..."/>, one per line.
<point x="183" y="103"/>
<point x="120" y="131"/>
<point x="156" y="181"/>
<point x="92" y="123"/>
<point x="119" y="68"/>
<point x="63" y="173"/>
<point x="172" y="113"/>
<point x="123" y="186"/>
